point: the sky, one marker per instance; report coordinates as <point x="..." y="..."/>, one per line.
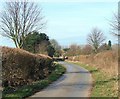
<point x="71" y="22"/>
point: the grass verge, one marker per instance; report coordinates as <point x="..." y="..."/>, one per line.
<point x="29" y="90"/>
<point x="103" y="84"/>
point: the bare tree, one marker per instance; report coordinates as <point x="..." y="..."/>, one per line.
<point x="86" y="50"/>
<point x="115" y="24"/>
<point x="74" y="50"/>
<point x="95" y="38"/>
<point x="20" y="18"/>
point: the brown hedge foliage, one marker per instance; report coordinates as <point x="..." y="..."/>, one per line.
<point x="20" y="67"/>
<point x="106" y="61"/>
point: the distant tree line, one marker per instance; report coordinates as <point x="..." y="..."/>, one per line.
<point x="75" y="50"/>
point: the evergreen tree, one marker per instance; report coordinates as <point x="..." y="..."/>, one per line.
<point x="109" y="45"/>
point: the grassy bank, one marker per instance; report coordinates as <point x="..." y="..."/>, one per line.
<point x="29" y="90"/>
<point x="104" y="85"/>
<point x="107" y="61"/>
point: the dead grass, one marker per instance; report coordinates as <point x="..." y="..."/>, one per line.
<point x="106" y="61"/>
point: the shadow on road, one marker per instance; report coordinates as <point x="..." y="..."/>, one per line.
<point x="78" y="72"/>
<point x="77" y="86"/>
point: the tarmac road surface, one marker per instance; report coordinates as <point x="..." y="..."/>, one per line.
<point x="76" y="82"/>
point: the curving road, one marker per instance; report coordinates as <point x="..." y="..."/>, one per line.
<point x="76" y="82"/>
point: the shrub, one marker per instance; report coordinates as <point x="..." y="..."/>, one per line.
<point x="20" y="67"/>
<point x="28" y="90"/>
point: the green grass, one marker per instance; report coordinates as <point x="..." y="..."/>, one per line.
<point x="29" y="90"/>
<point x="103" y="84"/>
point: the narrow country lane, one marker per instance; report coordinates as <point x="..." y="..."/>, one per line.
<point x="76" y="82"/>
